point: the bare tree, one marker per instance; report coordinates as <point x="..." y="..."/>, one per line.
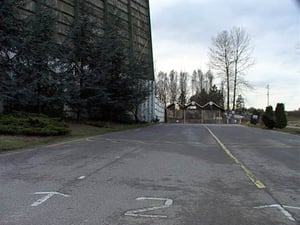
<point x="183" y="79"/>
<point x="200" y="80"/>
<point x="231" y="55"/>
<point x="210" y="78"/>
<point x="242" y="59"/>
<point x="162" y="87"/>
<point x="221" y="59"/>
<point x="194" y="82"/>
<point x="173" y="79"/>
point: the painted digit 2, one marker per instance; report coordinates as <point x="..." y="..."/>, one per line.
<point x="139" y="212"/>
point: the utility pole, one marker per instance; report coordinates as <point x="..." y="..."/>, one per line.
<point x="268" y="95"/>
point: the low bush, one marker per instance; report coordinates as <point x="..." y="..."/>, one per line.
<point x="32" y="124"/>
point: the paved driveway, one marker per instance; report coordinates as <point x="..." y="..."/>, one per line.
<point x="158" y="175"/>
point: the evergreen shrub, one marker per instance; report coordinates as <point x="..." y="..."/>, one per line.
<point x="280" y="115"/>
<point x="268" y="117"/>
<point x="32" y="124"/>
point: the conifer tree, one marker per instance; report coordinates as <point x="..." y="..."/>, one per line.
<point x="213" y="95"/>
<point x="39" y="86"/>
<point x="10" y="39"/>
<point x="78" y="48"/>
<point x="125" y="86"/>
<point x="102" y="81"/>
<point x="280" y="116"/>
<point x="268" y="117"/>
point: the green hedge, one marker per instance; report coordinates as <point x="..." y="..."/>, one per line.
<point x="268" y="117"/>
<point x="280" y="115"/>
<point x="32" y="124"/>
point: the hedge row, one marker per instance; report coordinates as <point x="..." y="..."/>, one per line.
<point x="32" y="124"/>
<point x="277" y="119"/>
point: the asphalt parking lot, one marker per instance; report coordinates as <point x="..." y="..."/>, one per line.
<point x="164" y="175"/>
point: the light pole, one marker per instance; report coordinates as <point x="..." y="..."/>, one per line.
<point x="268" y="95"/>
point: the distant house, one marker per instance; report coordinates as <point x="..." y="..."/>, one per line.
<point x="195" y="113"/>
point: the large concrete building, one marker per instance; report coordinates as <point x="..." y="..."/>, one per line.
<point x="135" y="17"/>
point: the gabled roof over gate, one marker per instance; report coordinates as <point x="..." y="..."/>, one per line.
<point x="212" y="105"/>
<point x="176" y="106"/>
<point x="208" y="106"/>
<point x="193" y="105"/>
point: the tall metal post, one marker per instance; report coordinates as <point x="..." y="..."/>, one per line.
<point x="268" y="95"/>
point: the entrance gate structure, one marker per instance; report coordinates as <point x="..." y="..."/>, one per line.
<point x="175" y="113"/>
<point x="193" y="113"/>
<point x="210" y="113"/>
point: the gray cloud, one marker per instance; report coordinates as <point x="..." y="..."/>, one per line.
<point x="182" y="32"/>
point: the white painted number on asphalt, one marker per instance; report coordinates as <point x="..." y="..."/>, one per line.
<point x="140" y="212"/>
<point x="46" y="197"/>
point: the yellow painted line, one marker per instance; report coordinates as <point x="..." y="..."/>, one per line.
<point x="250" y="175"/>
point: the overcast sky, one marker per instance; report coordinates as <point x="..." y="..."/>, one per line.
<point x="182" y="32"/>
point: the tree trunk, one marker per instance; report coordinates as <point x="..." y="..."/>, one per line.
<point x="136" y="117"/>
<point x="228" y="89"/>
<point x="234" y="85"/>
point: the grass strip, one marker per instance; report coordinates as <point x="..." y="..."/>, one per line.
<point x="78" y="130"/>
<point x="288" y="130"/>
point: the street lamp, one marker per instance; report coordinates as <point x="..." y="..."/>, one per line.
<point x="268" y="95"/>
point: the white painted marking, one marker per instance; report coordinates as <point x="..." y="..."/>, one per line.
<point x="138" y="212"/>
<point x="81" y="177"/>
<point x="90" y="139"/>
<point x="46" y="197"/>
<point x="291" y="207"/>
<point x="282" y="210"/>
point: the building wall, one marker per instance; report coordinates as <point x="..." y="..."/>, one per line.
<point x="147" y="108"/>
<point x="134" y="14"/>
<point x="159" y="110"/>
